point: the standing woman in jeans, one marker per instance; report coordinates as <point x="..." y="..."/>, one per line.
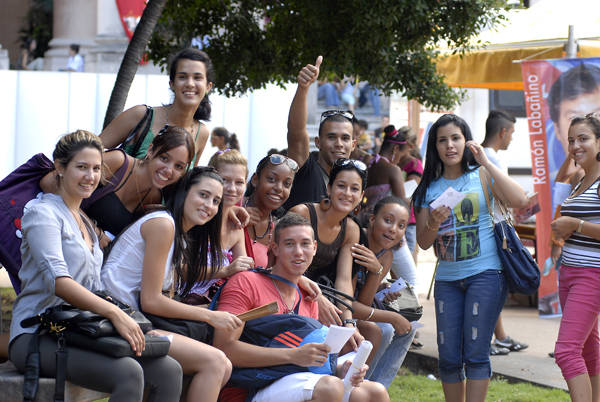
<point x="577" y="348"/>
<point x="470" y="287"/>
<point x="61" y="263"/>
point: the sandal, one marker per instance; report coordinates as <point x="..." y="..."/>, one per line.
<point x="511" y="344"/>
<point x="498" y="351"/>
<point x="415" y="345"/>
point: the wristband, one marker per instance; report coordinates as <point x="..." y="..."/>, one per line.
<point x="581" y="222"/>
<point x="349" y="321"/>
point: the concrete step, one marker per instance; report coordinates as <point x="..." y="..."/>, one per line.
<point x="11" y="384"/>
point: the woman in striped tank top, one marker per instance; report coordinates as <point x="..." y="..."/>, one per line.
<point x="577" y="348"/>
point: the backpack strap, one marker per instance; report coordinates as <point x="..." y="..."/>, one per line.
<point x="215" y="300"/>
<point x="268" y="273"/>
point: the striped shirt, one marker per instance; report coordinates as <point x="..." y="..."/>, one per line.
<point x="581" y="250"/>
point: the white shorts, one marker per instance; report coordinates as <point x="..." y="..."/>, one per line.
<point x="296" y="387"/>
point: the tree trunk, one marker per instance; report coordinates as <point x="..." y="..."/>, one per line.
<point x="132" y="57"/>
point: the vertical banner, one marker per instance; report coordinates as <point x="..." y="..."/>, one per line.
<point x="555" y="92"/>
<point x="130" y="12"/>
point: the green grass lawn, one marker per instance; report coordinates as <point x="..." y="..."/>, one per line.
<point x="418" y="388"/>
<point x="7" y="297"/>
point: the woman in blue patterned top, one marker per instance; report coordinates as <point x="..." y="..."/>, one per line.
<point x="470" y="288"/>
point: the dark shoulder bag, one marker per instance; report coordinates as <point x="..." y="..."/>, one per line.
<point x="85" y="330"/>
<point x="520" y="269"/>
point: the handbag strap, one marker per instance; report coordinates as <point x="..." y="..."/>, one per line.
<point x="503" y="210"/>
<point x="486" y="182"/>
<point x="31" y="375"/>
<point x="484" y="185"/>
<point x="136" y="134"/>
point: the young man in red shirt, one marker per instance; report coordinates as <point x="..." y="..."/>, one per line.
<point x="294" y="247"/>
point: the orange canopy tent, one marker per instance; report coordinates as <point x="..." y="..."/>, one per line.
<point x="539" y="32"/>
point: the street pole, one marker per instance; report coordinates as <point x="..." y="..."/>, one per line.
<point x="571" y="45"/>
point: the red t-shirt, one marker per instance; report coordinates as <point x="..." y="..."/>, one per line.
<point x="247" y="290"/>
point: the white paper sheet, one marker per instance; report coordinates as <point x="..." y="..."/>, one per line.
<point x="449" y="198"/>
<point x="410" y="187"/>
<point x="337" y="337"/>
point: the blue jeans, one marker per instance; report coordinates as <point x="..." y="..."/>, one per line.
<point x="411" y="236"/>
<point x="390" y="355"/>
<point x="403" y="265"/>
<point x="328" y="91"/>
<point x="466" y="312"/>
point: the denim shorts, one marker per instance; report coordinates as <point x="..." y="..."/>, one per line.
<point x="466" y="312"/>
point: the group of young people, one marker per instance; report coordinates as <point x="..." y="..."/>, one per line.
<point x="162" y="234"/>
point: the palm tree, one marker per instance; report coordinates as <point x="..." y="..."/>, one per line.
<point x="131" y="59"/>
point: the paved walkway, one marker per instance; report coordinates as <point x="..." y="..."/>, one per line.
<point x="523" y="323"/>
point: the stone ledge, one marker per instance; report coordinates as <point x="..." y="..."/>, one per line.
<point x="11" y="384"/>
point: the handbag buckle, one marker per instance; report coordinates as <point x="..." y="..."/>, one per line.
<point x="56" y="328"/>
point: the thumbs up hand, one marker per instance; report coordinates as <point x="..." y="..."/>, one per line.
<point x="309" y="73"/>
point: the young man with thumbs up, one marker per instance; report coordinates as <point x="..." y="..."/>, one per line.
<point x="334" y="141"/>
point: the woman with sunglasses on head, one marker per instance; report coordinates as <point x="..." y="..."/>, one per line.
<point x="577" y="350"/>
<point x="191" y="78"/>
<point x="132" y="183"/>
<point x="61" y="263"/>
<point x="163" y="254"/>
<point x="384" y="233"/>
<point x="335" y="234"/>
<point x="232" y="166"/>
<point x="470" y="287"/>
<point x="271" y="185"/>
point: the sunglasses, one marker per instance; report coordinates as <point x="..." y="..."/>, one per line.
<point x="342" y="162"/>
<point x="164" y="129"/>
<point x="344" y="113"/>
<point x="277" y="159"/>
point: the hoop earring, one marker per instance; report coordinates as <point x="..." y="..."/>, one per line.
<point x="325" y="204"/>
<point x="598" y="156"/>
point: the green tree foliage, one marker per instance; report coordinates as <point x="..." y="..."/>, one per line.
<point x="390" y="43"/>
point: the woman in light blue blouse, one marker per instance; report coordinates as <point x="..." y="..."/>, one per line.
<point x="470" y="288"/>
<point x="61" y="261"/>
